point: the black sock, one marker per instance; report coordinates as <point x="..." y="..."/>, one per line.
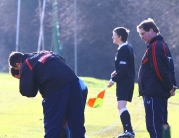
<point x="123" y="124"/>
<point x="126" y="121"/>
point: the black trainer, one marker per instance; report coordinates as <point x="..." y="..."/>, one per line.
<point x="127" y="135"/>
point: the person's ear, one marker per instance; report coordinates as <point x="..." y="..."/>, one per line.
<point x="120" y="37"/>
<point x="151" y="30"/>
<point x="18" y="65"/>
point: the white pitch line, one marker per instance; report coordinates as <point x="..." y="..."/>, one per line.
<point x="111" y="126"/>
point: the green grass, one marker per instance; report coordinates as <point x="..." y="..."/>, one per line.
<point x="22" y="117"/>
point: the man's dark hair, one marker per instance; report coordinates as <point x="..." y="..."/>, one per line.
<point x="13" y="71"/>
<point x="15" y="57"/>
<point x="148" y="24"/>
<point x="123" y="32"/>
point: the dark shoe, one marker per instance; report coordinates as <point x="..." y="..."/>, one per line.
<point x="127" y="135"/>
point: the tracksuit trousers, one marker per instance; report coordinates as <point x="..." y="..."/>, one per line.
<point x="66" y="102"/>
<point x="156" y="115"/>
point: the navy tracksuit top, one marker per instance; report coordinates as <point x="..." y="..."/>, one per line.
<point x="44" y="71"/>
<point x="156" y="74"/>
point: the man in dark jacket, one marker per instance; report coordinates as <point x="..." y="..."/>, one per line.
<point x="65" y="132"/>
<point x="58" y="85"/>
<point x="155" y="78"/>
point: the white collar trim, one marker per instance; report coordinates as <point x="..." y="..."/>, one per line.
<point x="121" y="45"/>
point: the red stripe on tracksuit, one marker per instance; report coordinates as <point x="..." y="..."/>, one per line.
<point x="146" y="53"/>
<point x="43" y="58"/>
<point x="155" y="60"/>
<point x="28" y="64"/>
<point x="143" y="62"/>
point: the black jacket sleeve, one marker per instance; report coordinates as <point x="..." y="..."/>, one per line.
<point x="27" y="86"/>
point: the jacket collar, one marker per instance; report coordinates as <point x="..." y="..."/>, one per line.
<point x="24" y="57"/>
<point x="158" y="37"/>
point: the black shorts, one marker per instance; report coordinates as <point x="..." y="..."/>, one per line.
<point x="124" y="90"/>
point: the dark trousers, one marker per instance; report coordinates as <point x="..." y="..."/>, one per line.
<point x="156" y="115"/>
<point x="65" y="132"/>
<point x="68" y="102"/>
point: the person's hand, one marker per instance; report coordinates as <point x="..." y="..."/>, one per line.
<point x="172" y="91"/>
<point x="110" y="83"/>
<point x="113" y="74"/>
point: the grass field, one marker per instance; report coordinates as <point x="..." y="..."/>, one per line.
<point x="22" y="117"/>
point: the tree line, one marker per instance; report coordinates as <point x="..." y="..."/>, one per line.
<point x="95" y="21"/>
